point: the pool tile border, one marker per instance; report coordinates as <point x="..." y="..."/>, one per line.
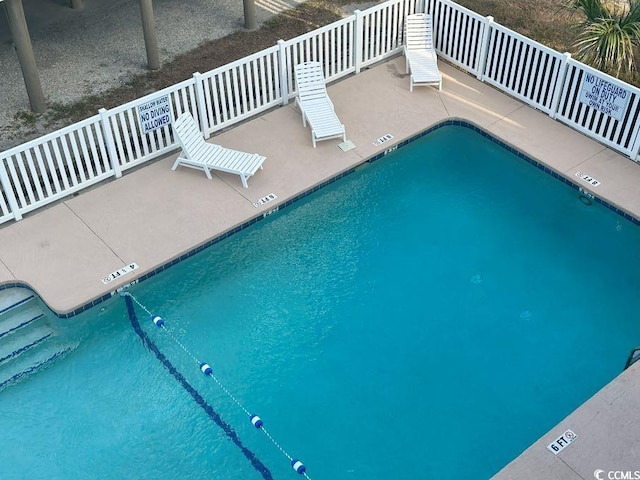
<point x="519" y="154"/>
<point x="292" y="200"/>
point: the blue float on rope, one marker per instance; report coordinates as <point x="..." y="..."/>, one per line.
<point x="206" y="369"/>
<point x="298" y="466"/>
<point x="256" y="420"/>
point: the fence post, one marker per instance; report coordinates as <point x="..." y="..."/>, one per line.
<point x="108" y="138"/>
<point x="357" y="41"/>
<point x="201" y="103"/>
<point x="8" y="191"/>
<point x="482" y="60"/>
<point x="562" y="76"/>
<point x="636" y="146"/>
<point x="284" y="72"/>
<point x="435" y="19"/>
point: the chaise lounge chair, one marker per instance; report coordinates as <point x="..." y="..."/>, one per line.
<point x="315" y="104"/>
<point x="198" y="154"/>
<point x="419" y="52"/>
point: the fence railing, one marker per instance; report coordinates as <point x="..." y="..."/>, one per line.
<point x="54" y="166"/>
<point x="239" y="90"/>
<point x="528" y="72"/>
<point x="129" y="146"/>
<point x="460" y="35"/>
<point x="379" y="30"/>
<point x="621" y="135"/>
<point x="330" y="45"/>
<point x="58" y="164"/>
<point x="539" y="76"/>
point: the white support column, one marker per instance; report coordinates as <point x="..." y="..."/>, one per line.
<point x="636" y="146"/>
<point x="482" y="60"/>
<point x="107" y="133"/>
<point x="562" y="75"/>
<point x="8" y="191"/>
<point x="284" y="72"/>
<point x="357" y="41"/>
<point x="201" y="102"/>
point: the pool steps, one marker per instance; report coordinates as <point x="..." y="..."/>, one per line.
<point x="26" y="336"/>
<point x="43" y="358"/>
<point x="12" y="298"/>
<point x="13" y="347"/>
<point x="19" y="320"/>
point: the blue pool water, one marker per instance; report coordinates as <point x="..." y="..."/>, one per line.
<point x="428" y="316"/>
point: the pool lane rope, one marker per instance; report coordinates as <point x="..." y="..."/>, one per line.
<point x="226" y="428"/>
<point x="206" y="369"/>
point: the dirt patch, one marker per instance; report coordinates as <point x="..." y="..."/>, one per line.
<point x="546" y="21"/>
<point x="289" y="24"/>
<point x="209" y="55"/>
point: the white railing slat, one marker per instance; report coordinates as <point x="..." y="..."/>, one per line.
<point x="31" y="177"/>
<point x="51" y="167"/>
<point x="43" y="171"/>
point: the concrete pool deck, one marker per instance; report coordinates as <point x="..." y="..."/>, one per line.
<point x="154" y="215"/>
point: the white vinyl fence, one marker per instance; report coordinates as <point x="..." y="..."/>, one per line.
<point x="238" y="90"/>
<point x="539" y="76"/>
<point x="622" y="134"/>
<point x="51" y="167"/>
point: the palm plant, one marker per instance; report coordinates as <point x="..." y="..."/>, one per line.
<point x="610" y="34"/>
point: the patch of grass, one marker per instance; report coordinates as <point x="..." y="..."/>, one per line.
<point x="73" y="112"/>
<point x="545" y="21"/>
<point x="27" y="118"/>
<point x="274" y="22"/>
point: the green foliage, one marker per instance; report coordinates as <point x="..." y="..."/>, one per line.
<point x="28" y="118"/>
<point x="610" y="34"/>
<point x="593" y="10"/>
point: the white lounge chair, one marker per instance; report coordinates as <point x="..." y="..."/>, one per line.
<point x="315" y="104"/>
<point x="419" y="52"/>
<point x="198" y="154"/>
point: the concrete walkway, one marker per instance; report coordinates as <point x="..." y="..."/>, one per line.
<point x="153" y="215"/>
<point x="606" y="426"/>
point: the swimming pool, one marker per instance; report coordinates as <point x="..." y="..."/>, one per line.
<point x="429" y="315"/>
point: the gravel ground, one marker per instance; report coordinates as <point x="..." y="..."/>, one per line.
<point x="82" y="52"/>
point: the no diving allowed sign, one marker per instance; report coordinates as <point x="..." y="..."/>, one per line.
<point x="154" y="114"/>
